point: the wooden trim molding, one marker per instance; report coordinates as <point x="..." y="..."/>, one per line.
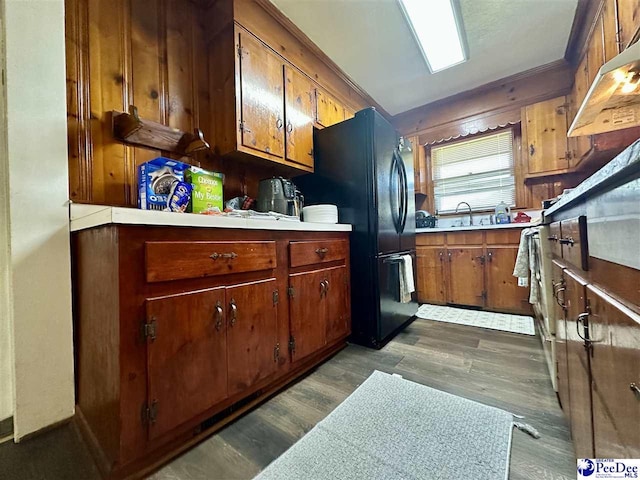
<point x="501" y="98"/>
<point x="584" y="22"/>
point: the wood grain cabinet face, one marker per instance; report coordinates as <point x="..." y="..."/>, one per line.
<point x="252" y="332"/>
<point x="307" y="313"/>
<point x="578" y="362"/>
<point x="579" y="146"/>
<point x="430" y="263"/>
<point x="262" y="97"/>
<point x="559" y="313"/>
<point x="466" y="276"/>
<point x="574" y="242"/>
<point x="609" y="29"/>
<point x="615" y="367"/>
<point x="299" y="117"/>
<point x="338" y="303"/>
<point x="186" y="327"/>
<point x="628" y="20"/>
<point x="545" y="137"/>
<point x="503" y="292"/>
<point x="328" y="110"/>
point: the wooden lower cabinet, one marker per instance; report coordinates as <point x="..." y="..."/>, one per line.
<point x="430" y="263"/>
<point x="615" y="368"/>
<point x="502" y="290"/>
<point x="164" y="358"/>
<point x="466" y="276"/>
<point x="578" y="362"/>
<point x="559" y="313"/>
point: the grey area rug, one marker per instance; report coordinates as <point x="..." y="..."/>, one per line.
<point x="392" y="428"/>
<point x="476" y="318"/>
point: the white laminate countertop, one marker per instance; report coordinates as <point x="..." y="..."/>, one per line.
<point x="82" y="216"/>
<point x="475" y="227"/>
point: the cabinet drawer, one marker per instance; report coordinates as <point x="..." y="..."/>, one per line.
<point x="321" y="251"/>
<point x="179" y="260"/>
<point x="508" y="236"/>
<point x="554" y="239"/>
<point x="465" y="238"/>
<point x="574" y="241"/>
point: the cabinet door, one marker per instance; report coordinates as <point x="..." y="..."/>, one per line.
<point x="610" y="28"/>
<point x="503" y="292"/>
<point x="546" y="135"/>
<point x="466" y="276"/>
<point x="615" y="366"/>
<point x="328" y="110"/>
<point x="559" y="313"/>
<point x="579" y="369"/>
<point x="252" y="332"/>
<point x="298" y="117"/>
<point x="261" y="97"/>
<point x="430" y="263"/>
<point x="595" y="50"/>
<point x="187" y="359"/>
<point x="419" y="166"/>
<point x="628" y="20"/>
<point x="338" y="309"/>
<point x="307" y="313"/>
<point x="579" y="145"/>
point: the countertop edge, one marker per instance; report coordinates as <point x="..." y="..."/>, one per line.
<point x="475" y="228"/>
<point x="84" y="216"/>
<point x="627" y="162"/>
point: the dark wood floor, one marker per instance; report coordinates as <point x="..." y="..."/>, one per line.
<point x="496" y="368"/>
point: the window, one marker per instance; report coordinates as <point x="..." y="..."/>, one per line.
<point x="478" y="171"/>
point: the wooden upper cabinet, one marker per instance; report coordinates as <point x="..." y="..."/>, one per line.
<point x="628" y="20"/>
<point x="328" y="110"/>
<point x="609" y="30"/>
<point x="299" y="117"/>
<point x="595" y="49"/>
<point x="252" y="331"/>
<point x="262" y="97"/>
<point x="579" y="145"/>
<point x="182" y="328"/>
<point x="544" y="138"/>
<point x="419" y="166"/>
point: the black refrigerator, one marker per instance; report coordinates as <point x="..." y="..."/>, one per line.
<point x="364" y="167"/>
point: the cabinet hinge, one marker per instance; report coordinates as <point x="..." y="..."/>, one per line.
<point x="276" y="297"/>
<point x="150" y="329"/>
<point x="484" y="294"/>
<point x="276" y="352"/>
<point x="292" y="344"/>
<point x="150" y="413"/>
<point x="291" y="292"/>
<point x="240" y="52"/>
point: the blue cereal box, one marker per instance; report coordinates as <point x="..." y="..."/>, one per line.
<point x="156" y="179"/>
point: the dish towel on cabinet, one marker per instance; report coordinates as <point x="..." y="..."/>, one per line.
<point x="407" y="284"/>
<point x="525" y="266"/>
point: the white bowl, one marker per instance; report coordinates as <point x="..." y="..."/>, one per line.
<point x="320" y="214"/>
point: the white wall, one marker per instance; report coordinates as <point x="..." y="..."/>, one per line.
<point x="6" y="309"/>
<point x="40" y="258"/>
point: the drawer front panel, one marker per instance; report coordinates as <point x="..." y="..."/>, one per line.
<point x="434" y="239"/>
<point x="180" y="260"/>
<point x="574" y="242"/>
<point x="507" y="236"/>
<point x="321" y="251"/>
<point x="465" y="238"/>
<point x="554" y="239"/>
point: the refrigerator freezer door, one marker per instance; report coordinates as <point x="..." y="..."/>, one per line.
<point x="393" y="313"/>
<point x="408" y="231"/>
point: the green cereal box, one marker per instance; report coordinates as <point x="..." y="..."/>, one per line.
<point x="207" y="190"/>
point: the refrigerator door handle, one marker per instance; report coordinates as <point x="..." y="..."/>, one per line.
<point x="404" y="203"/>
<point x="395" y="180"/>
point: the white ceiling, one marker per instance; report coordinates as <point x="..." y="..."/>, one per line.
<point x="371" y="41"/>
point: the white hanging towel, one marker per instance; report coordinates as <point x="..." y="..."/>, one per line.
<point x="407" y="284"/>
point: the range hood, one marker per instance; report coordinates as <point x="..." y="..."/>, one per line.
<point x="613" y="101"/>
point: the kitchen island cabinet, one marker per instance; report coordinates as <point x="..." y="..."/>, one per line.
<point x="184" y="322"/>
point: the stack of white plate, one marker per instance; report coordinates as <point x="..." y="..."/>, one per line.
<point x="320" y="214"/>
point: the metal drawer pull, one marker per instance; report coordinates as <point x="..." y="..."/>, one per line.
<point x="234" y="312"/>
<point x="216" y="255"/>
<point x="635" y="388"/>
<point x="323" y="289"/>
<point x="559" y="300"/>
<point x="322" y="252"/>
<point x="567" y="241"/>
<point x="326" y="286"/>
<point x="279" y="123"/>
<point x="553" y="238"/>
<point x="218" y="315"/>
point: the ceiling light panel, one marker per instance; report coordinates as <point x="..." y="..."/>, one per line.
<point x="437" y="28"/>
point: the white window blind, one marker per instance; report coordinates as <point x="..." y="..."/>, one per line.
<point x="478" y="171"/>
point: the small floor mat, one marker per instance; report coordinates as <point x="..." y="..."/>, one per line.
<point x="394" y="429"/>
<point x="476" y="318"/>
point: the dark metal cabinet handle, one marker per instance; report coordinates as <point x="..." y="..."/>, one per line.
<point x="441" y="256"/>
<point x="490" y="256"/>
<point x="234" y="312"/>
<point x="449" y="255"/>
<point x="567" y="241"/>
<point x="322" y="252"/>
<point x="532" y="150"/>
<point x="216" y="255"/>
<point x="326" y="286"/>
<point x="219" y="312"/>
<point x="553" y="238"/>
<point x="289" y="127"/>
<point x="583" y="319"/>
<point x="323" y="288"/>
<point x="558" y="299"/>
<point x="481" y="258"/>
<point x="279" y="123"/>
<point x="635" y="389"/>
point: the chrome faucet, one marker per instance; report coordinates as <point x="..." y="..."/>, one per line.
<point x="470" y="212"/>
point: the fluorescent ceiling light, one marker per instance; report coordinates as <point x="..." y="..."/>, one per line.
<point x="438" y="29"/>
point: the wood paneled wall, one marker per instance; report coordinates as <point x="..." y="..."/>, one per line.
<point x="149" y="53"/>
